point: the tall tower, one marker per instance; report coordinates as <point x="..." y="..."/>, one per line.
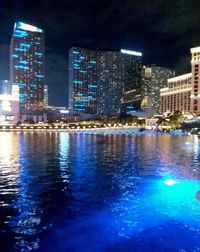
<point x="132" y="81"/>
<point x="99" y="79"/>
<point x="27" y="66"/>
<point x="195" y="92"/>
<point x="83" y="80"/>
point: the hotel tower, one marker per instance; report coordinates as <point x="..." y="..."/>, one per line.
<point x="27" y="67"/>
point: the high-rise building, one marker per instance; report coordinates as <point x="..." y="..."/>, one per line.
<point x="183" y="92"/>
<point x="109" y="82"/>
<point x="83" y="80"/>
<point x="195" y="69"/>
<point x="100" y="81"/>
<point x="27" y="66"/>
<point x="176" y="96"/>
<point x="155" y="78"/>
<point x="131" y="81"/>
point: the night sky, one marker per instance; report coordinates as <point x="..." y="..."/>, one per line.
<point x="164" y="30"/>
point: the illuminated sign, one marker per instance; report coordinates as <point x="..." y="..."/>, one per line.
<point x="131" y="52"/>
<point x="27" y="27"/>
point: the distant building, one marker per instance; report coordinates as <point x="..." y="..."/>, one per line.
<point x="155" y="78"/>
<point x="195" y="69"/>
<point x="131" y="81"/>
<point x="104" y="82"/>
<point x="9" y="106"/>
<point x="176" y="96"/>
<point x="5" y="87"/>
<point x="183" y="92"/>
<point x="45" y="96"/>
<point x="27" y="67"/>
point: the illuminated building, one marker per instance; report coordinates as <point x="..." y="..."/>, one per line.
<point x="27" y="67"/>
<point x="176" y="96"/>
<point x="195" y="68"/>
<point x="183" y="92"/>
<point x="109" y="83"/>
<point x="83" y="80"/>
<point x="155" y="78"/>
<point x="131" y="81"/>
<point x="100" y="82"/>
<point x="9" y="107"/>
<point x="45" y="96"/>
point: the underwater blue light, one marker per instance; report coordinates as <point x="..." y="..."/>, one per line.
<point x="171" y="182"/>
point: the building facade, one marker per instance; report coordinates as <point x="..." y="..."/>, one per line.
<point x="183" y="92"/>
<point x="176" y="96"/>
<point x="27" y="67"/>
<point x="101" y="81"/>
<point x="155" y="78"/>
<point x="131" y="81"/>
<point x="9" y="106"/>
<point x="83" y="80"/>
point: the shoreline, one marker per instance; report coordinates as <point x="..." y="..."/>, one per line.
<point x="108" y="130"/>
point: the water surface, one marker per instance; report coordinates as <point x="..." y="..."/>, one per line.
<point x="63" y="191"/>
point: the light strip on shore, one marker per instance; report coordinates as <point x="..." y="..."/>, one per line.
<point x="131" y="52"/>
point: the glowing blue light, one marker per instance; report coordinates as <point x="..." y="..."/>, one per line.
<point x="75" y="52"/>
<point x="27" y="27"/>
<point x="15" y="56"/>
<point x="171" y="182"/>
<point x="77" y="60"/>
<point x="79" y="109"/>
<point x="39" y="54"/>
<point x="39" y="62"/>
<point x="25" y="44"/>
<point x="76" y="65"/>
<point x="23" y="62"/>
<point x="20" y="84"/>
<point x="21" y="67"/>
<point x="82" y="71"/>
<point x="39" y="76"/>
<point x="92" y="86"/>
<point x="20" y="49"/>
<point x="93" y="61"/>
<point x="37" y="43"/>
<point x="81" y="57"/>
<point x="77" y="81"/>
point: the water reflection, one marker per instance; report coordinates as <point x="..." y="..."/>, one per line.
<point x="65" y="187"/>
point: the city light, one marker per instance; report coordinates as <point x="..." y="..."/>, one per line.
<point x="27" y="27"/>
<point x="131" y="52"/>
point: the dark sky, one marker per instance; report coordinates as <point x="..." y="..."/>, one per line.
<point x="164" y="30"/>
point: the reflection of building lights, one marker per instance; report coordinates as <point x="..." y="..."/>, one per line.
<point x="171" y="182"/>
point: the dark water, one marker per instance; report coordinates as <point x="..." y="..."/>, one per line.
<point x="77" y="192"/>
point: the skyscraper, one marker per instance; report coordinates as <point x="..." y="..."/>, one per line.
<point x="27" y="66"/>
<point x="83" y="80"/>
<point x="100" y="81"/>
<point x="155" y="78"/>
<point x="131" y="81"/>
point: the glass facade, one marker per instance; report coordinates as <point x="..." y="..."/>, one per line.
<point x="27" y="66"/>
<point x="83" y="80"/>
<point x="98" y="80"/>
<point x="155" y="78"/>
